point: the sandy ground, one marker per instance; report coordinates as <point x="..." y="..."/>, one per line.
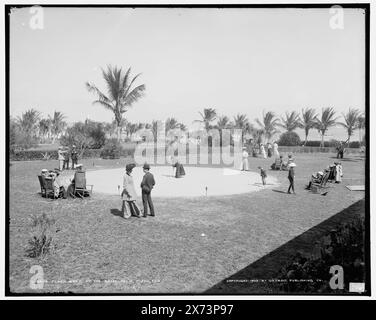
<point x="218" y="181"/>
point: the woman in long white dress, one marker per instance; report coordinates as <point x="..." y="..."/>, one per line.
<point x="275" y="150"/>
<point x="262" y="149"/>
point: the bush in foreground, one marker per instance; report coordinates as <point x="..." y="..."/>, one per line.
<point x="343" y="246"/>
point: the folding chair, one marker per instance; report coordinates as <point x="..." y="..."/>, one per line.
<point x="317" y="186"/>
<point x="80" y="184"/>
<point x="42" y="184"/>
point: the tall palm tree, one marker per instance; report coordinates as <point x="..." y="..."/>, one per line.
<point x="268" y="124"/>
<point x="45" y="127"/>
<point x="291" y="121"/>
<point x="154" y="128"/>
<point x="121" y="94"/>
<point x="207" y="117"/>
<point x="351" y="121"/>
<point x="326" y="121"/>
<point x="57" y="124"/>
<point x="308" y="121"/>
<point x="28" y="122"/>
<point x="223" y="122"/>
<point x="131" y="128"/>
<point x="241" y="122"/>
<point x="361" y="124"/>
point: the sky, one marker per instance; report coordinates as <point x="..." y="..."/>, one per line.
<point x="234" y="60"/>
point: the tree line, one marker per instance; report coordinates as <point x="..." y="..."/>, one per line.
<point x="122" y="92"/>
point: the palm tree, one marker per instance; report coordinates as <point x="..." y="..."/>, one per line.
<point x="223" y="122"/>
<point x="291" y="121"/>
<point x="130" y="129"/>
<point x="171" y="124"/>
<point x="268" y="124"/>
<point x="154" y="128"/>
<point x="182" y="127"/>
<point x="207" y="117"/>
<point x="361" y="124"/>
<point x="308" y="121"/>
<point x="45" y="127"/>
<point x="241" y="122"/>
<point x="351" y="121"/>
<point x="121" y="93"/>
<point x="28" y="122"/>
<point x="326" y="121"/>
<point x="57" y="124"/>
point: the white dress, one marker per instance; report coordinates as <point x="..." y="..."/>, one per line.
<point x="244" y="161"/>
<point x="275" y="150"/>
<point x="263" y="152"/>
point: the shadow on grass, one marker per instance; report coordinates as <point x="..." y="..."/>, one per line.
<point x="279" y="191"/>
<point x="117" y="212"/>
<point x="268" y="266"/>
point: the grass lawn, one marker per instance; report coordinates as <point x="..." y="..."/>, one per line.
<point x="97" y="251"/>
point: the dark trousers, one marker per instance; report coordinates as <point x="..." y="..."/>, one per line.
<point x="146" y="201"/>
<point x="74" y="161"/>
<point x="66" y="164"/>
<point x="291" y="186"/>
<point x="263" y="180"/>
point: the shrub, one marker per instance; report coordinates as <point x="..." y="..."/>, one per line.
<point x="29" y="155"/>
<point x="41" y="242"/>
<point x="354" y="144"/>
<point x="112" y="149"/>
<point x="26" y="155"/>
<point x="317" y="143"/>
<point x="39" y="246"/>
<point x="289" y="138"/>
<point x="341" y="246"/>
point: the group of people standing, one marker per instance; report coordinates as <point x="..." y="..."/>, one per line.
<point x="64" y="155"/>
<point x="271" y="150"/>
<point x="130" y="207"/>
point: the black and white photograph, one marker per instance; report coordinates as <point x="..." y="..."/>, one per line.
<point x="187" y="150"/>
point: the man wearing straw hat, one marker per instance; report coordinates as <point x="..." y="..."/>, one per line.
<point x="291" y="177"/>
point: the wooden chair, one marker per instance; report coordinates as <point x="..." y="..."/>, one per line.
<point x="42" y="184"/>
<point x="277" y="165"/>
<point x="50" y="190"/>
<point x="80" y="186"/>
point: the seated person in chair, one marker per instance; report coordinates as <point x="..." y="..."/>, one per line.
<point x="316" y="178"/>
<point x="57" y="184"/>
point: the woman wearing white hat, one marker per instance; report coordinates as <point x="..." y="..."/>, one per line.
<point x="291" y="177"/>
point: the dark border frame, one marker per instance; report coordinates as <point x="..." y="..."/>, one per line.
<point x="367" y="245"/>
